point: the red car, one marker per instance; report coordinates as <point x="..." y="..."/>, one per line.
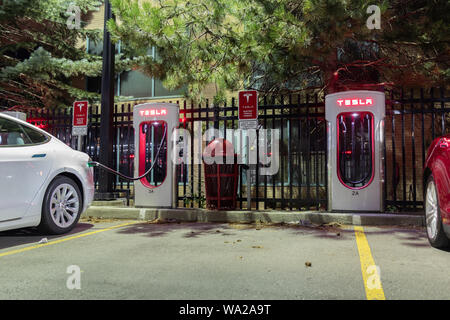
<point x="437" y="192"/>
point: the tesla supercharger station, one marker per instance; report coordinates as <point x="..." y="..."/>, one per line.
<point x="355" y="127"/>
<point x="154" y="124"/>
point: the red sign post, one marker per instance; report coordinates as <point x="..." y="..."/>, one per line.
<point x="248" y="109"/>
<point x="248" y="105"/>
<point x="248" y="120"/>
<point x="80" y="120"/>
<point x="80" y="113"/>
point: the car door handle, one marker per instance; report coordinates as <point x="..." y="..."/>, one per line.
<point x="39" y="155"/>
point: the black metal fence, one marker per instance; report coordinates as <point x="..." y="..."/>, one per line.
<point x="301" y="180"/>
<point x="413" y="119"/>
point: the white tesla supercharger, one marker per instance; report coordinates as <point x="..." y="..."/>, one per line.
<point x="154" y="124"/>
<point x="355" y="127"/>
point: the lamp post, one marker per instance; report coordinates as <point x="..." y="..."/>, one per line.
<point x="107" y="109"/>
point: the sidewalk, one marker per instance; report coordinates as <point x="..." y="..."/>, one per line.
<point x="118" y="211"/>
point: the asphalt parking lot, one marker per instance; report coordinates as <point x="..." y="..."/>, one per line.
<point x="116" y="259"/>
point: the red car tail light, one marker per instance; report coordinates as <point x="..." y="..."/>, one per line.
<point x="444" y="143"/>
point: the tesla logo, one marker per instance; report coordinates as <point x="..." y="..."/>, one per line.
<point x="153" y="112"/>
<point x="355" y="102"/>
<point x="247" y="96"/>
<point x="81" y="106"/>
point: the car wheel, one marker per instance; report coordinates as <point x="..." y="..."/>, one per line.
<point x="433" y="220"/>
<point x="62" y="206"/>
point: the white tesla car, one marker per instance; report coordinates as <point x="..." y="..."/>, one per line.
<point x="43" y="182"/>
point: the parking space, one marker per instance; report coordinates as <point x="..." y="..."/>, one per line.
<point x="22" y="237"/>
<point x="136" y="260"/>
<point x="410" y="267"/>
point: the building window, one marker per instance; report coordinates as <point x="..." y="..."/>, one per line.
<point x="131" y="83"/>
<point x="135" y="84"/>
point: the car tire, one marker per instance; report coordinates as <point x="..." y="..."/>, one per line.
<point x="433" y="221"/>
<point x="62" y="206"/>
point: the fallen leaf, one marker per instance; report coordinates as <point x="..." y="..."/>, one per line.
<point x="332" y="224"/>
<point x="157" y="221"/>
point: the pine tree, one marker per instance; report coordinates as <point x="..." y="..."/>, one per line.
<point x="288" y="45"/>
<point x="41" y="55"/>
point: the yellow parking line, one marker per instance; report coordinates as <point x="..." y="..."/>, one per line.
<point x="8" y="253"/>
<point x="370" y="271"/>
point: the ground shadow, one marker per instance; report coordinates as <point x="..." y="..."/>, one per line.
<point x="193" y="229"/>
<point x="13" y="238"/>
<point x="412" y="236"/>
<point x="198" y="229"/>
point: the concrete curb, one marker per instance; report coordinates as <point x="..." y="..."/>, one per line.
<point x="202" y="215"/>
<point x="109" y="203"/>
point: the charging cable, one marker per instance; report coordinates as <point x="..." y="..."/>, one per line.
<point x="99" y="165"/>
